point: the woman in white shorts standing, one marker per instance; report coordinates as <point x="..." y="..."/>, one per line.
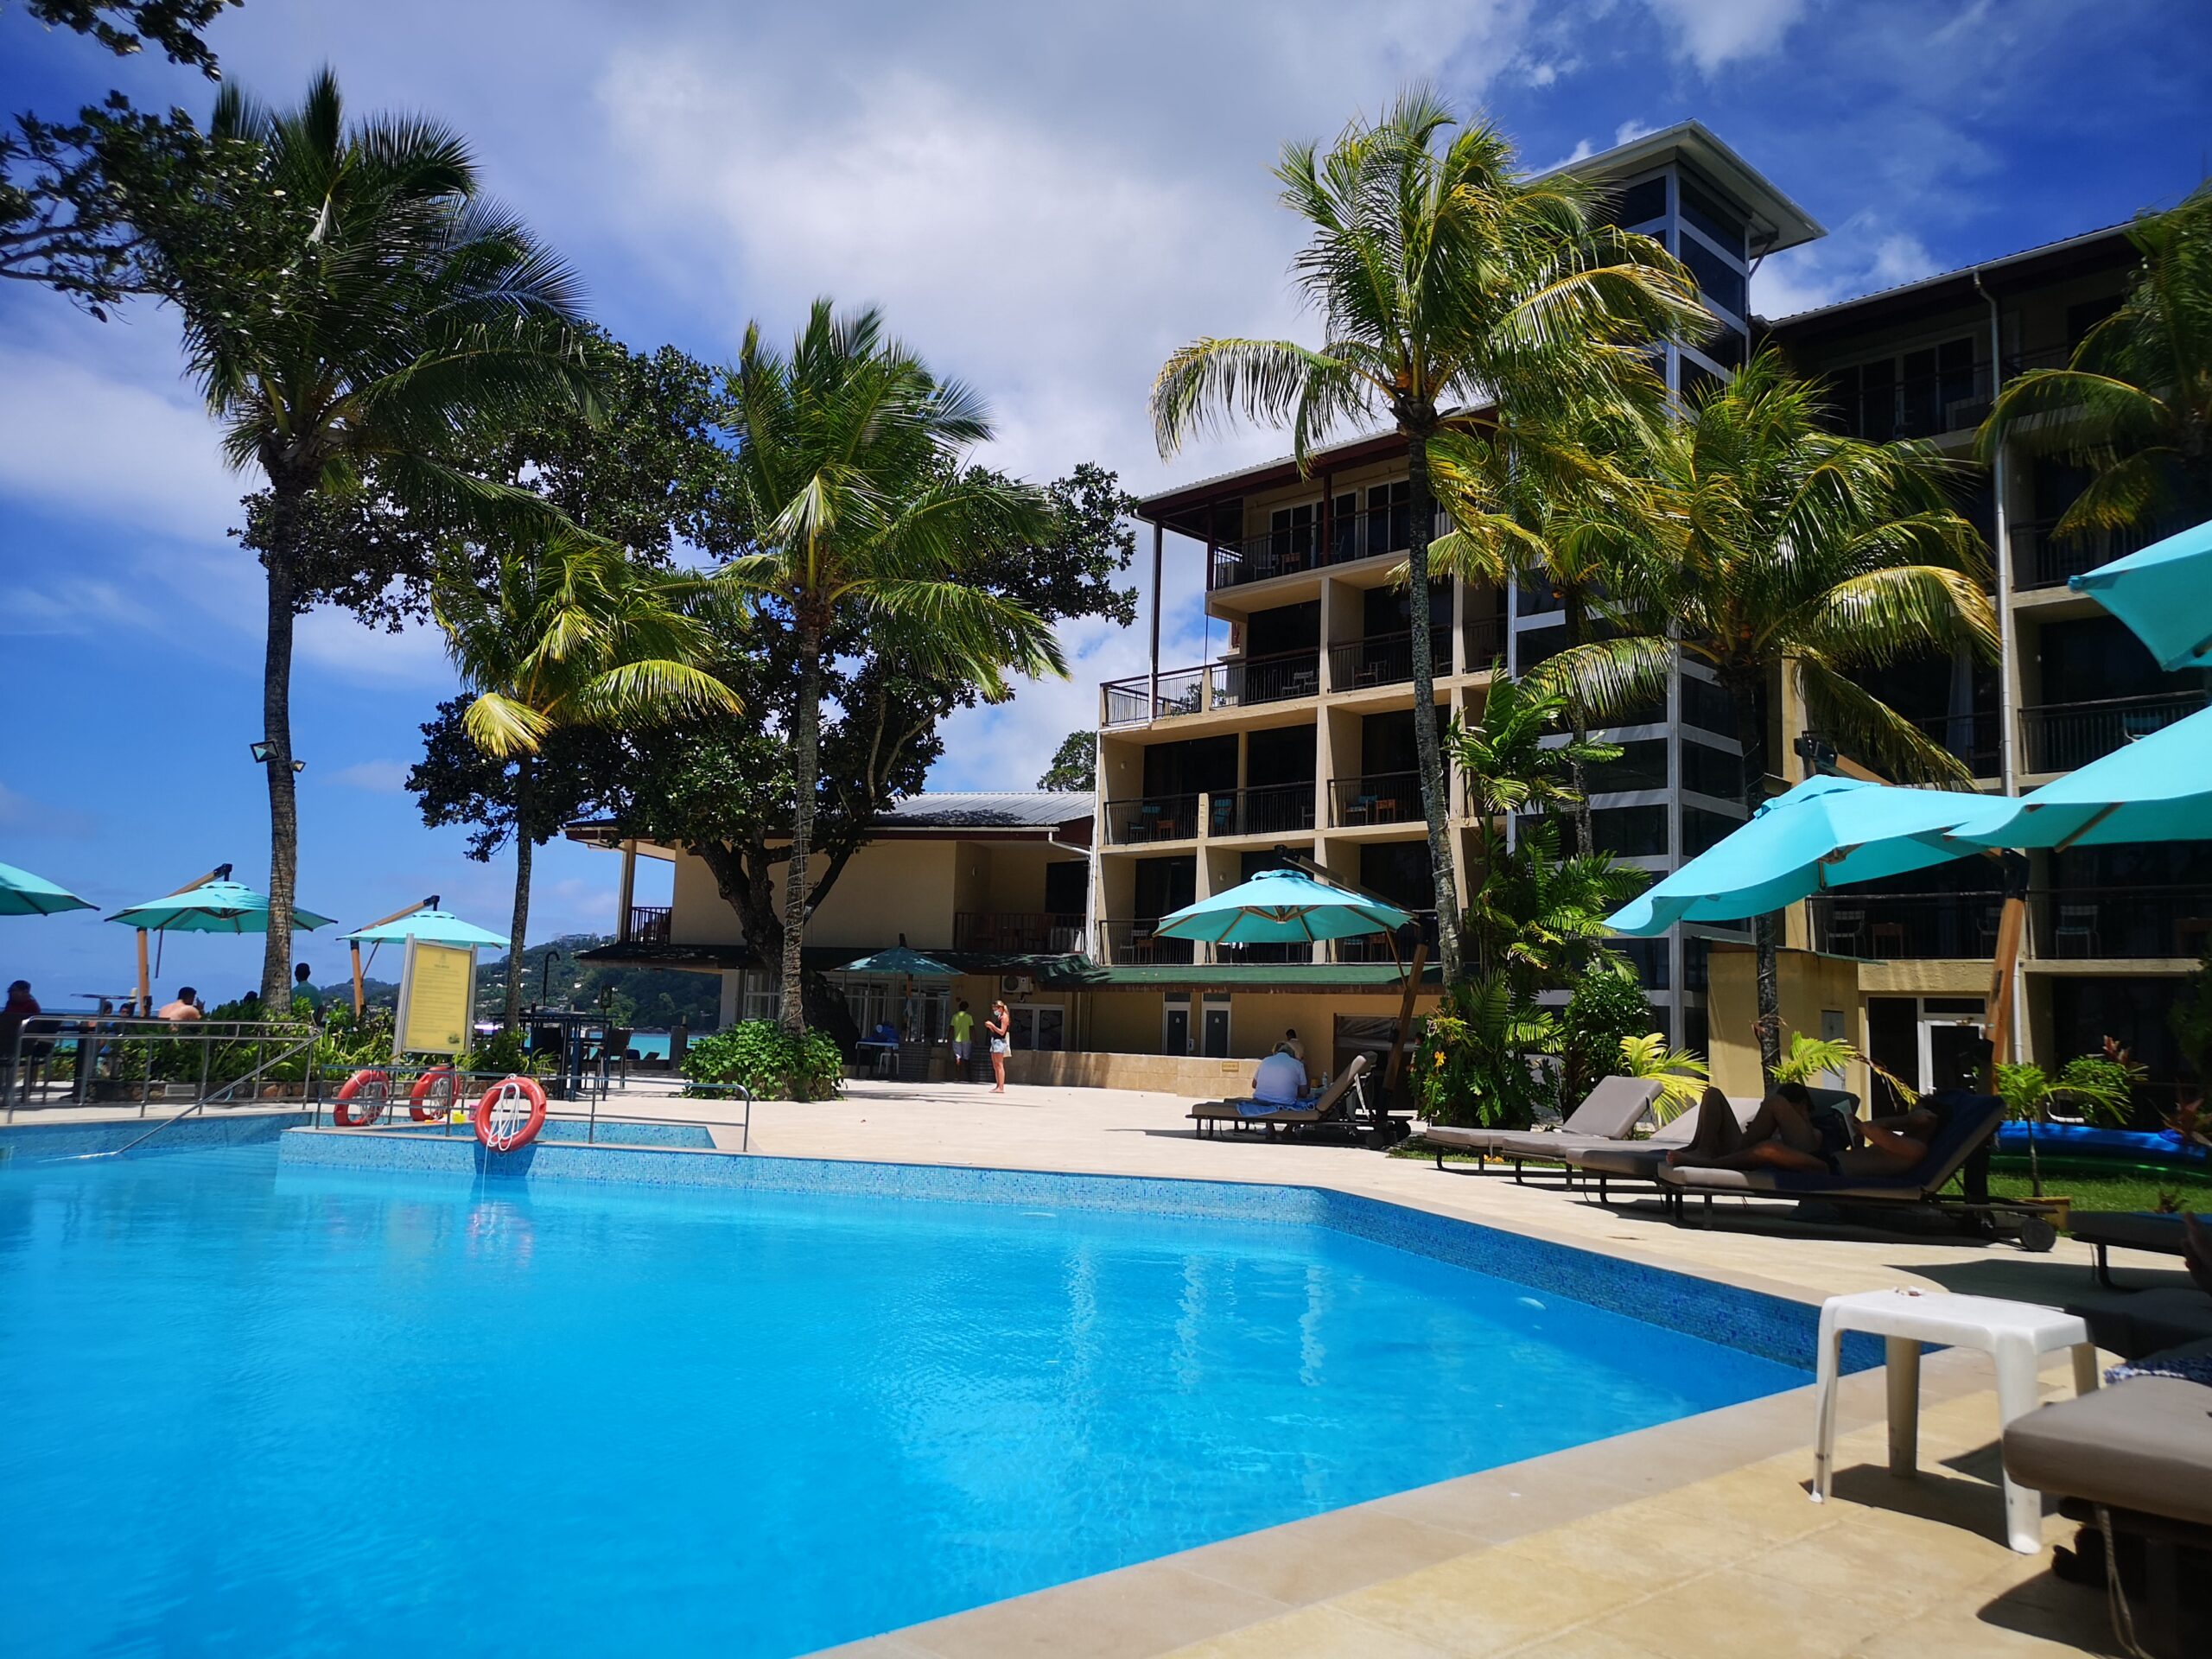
<point x="1000" y="1028"/>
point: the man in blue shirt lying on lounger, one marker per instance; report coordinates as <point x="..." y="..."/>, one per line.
<point x="1280" y="1080"/>
<point x="1789" y="1132"/>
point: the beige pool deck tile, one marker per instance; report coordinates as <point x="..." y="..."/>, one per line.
<point x="1150" y="1608"/>
<point x="1314" y="1633"/>
<point x="1311" y="1561"/>
<point x="1489" y="1602"/>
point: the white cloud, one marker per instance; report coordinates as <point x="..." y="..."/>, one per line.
<point x="378" y="777"/>
<point x="1712" y="34"/>
<point x="1631" y="130"/>
<point x="334" y="642"/>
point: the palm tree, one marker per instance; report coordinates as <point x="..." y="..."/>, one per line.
<point x="847" y="469"/>
<point x="1773" y="545"/>
<point x="2135" y="403"/>
<point x="1444" y="280"/>
<point x="569" y="631"/>
<point x="347" y="298"/>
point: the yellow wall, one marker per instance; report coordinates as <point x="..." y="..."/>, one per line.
<point x="1811" y="986"/>
<point x="888" y="888"/>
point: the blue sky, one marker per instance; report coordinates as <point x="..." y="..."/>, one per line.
<point x="1046" y="200"/>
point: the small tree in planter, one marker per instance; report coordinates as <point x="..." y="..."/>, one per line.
<point x="767" y="1060"/>
<point x="2098" y="1084"/>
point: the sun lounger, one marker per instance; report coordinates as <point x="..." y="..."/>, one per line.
<point x="1641" y="1161"/>
<point x="1967" y="1121"/>
<point x="1611" y="1112"/>
<point x="1331" y="1106"/>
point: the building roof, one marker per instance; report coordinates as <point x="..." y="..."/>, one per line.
<point x="1776" y="221"/>
<point x="940" y="815"/>
<point x="959" y="810"/>
<point x="2104" y="248"/>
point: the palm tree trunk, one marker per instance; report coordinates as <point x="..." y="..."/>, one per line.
<point x="806" y="737"/>
<point x="1751" y="734"/>
<point x="518" y="928"/>
<point x="1428" y="752"/>
<point x="281" y="561"/>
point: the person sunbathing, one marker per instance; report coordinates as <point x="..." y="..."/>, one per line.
<point x="1788" y="1132"/>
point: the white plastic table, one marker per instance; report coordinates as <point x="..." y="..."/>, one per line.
<point x="2015" y="1334"/>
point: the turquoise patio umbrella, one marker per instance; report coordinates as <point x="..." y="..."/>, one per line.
<point x="2156" y="788"/>
<point x="2164" y="593"/>
<point x="431" y="926"/>
<point x="212" y="907"/>
<point x="902" y="962"/>
<point x="1277" y="906"/>
<point x="1827" y="832"/>
<point x="22" y="894"/>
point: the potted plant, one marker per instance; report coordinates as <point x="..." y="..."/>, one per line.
<point x="2097" y="1083"/>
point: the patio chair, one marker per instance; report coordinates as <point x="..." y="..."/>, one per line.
<point x="1609" y="1112"/>
<point x="2077" y="926"/>
<point x="1641" y="1161"/>
<point x="1846" y="932"/>
<point x="1333" y="1105"/>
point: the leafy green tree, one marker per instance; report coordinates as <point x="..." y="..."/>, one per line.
<point x="346" y="294"/>
<point x="63" y="221"/>
<point x="723" y="786"/>
<point x="1074" y="764"/>
<point x="847" y="467"/>
<point x="1773" y="546"/>
<point x="569" y="631"/>
<point x="2135" y="404"/>
<point x="1445" y="282"/>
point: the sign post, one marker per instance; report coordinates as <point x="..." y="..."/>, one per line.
<point x="437" y="999"/>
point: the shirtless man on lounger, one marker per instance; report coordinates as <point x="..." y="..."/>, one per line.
<point x="1787" y="1132"/>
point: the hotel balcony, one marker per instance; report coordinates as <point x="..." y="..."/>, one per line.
<point x="2041" y="560"/>
<point x="1318" y="544"/>
<point x="647" y="925"/>
<point x="1970" y="737"/>
<point x="1378" y="797"/>
<point x="2061" y="736"/>
<point x="2078" y="923"/>
<point x="1018" y="933"/>
<point x="1136" y="942"/>
<point x="1907" y="926"/>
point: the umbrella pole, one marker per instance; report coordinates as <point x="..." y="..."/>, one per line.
<point x="359" y="999"/>
<point x="145" y="979"/>
<point x="1405" y="1012"/>
<point x="2009" y="926"/>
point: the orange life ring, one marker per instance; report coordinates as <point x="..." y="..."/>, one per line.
<point x="436" y="1085"/>
<point x="371" y="1088"/>
<point x="496" y="1119"/>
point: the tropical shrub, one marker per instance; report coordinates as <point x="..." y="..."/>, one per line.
<point x="767" y="1060"/>
<point x="1607" y="1009"/>
<point x="1474" y="1062"/>
<point x="1682" y="1075"/>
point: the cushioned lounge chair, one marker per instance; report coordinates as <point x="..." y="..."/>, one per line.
<point x="1967" y="1121"/>
<point x="1333" y="1105"/>
<point x="1611" y="1112"/>
<point x="1641" y="1161"/>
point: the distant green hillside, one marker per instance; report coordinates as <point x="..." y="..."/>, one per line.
<point x="646" y="999"/>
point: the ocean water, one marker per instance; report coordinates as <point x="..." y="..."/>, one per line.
<point x="315" y="1412"/>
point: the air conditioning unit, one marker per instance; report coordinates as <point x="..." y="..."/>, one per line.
<point x="1016" y="984"/>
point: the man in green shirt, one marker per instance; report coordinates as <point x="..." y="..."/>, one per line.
<point x="963" y="1026"/>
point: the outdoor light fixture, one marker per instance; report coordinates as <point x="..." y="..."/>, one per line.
<point x="1817" y="753"/>
<point x="261" y="757"/>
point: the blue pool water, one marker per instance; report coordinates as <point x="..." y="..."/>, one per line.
<point x="316" y="1411"/>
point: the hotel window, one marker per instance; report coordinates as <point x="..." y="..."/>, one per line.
<point x="1630" y="831"/>
<point x="1707" y="707"/>
<point x="1642" y="764"/>
<point x="1718" y="281"/>
<point x="1639" y="204"/>
<point x="1290" y="537"/>
<point x="1709" y="770"/>
<point x="1723" y="225"/>
<point x="1390" y="516"/>
<point x="1703" y="830"/>
<point x="1344" y="527"/>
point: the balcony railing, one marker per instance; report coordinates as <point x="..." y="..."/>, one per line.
<point x="1907" y="927"/>
<point x="1018" y="933"/>
<point x="1385" y="659"/>
<point x="1134" y="942"/>
<point x="1267" y="809"/>
<point x="1381" y="532"/>
<point x="1377" y="797"/>
<point x="1271" y="950"/>
<point x="1139" y="819"/>
<point x="2041" y="560"/>
<point x="1377" y="947"/>
<point x="1971" y="737"/>
<point x="2133" y="922"/>
<point x="1914" y="406"/>
<point x="648" y="924"/>
<point x="1133" y="702"/>
<point x="1241" y="680"/>
<point x="2061" y="736"/>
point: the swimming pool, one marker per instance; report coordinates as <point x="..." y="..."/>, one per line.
<point x="304" y="1409"/>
